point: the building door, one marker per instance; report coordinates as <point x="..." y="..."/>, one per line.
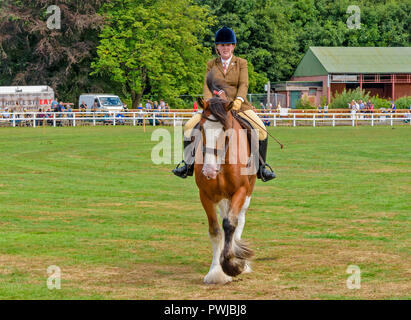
<point x="294" y="97"/>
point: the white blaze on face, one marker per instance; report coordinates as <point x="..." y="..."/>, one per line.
<point x="212" y="131"/>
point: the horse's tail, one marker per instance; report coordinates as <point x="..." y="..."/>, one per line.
<point x="235" y="252"/>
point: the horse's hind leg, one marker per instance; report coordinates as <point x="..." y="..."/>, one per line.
<point x="215" y="275"/>
<point x="235" y="253"/>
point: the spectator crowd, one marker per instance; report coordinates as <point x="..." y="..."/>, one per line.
<point x="368" y="107"/>
<point x="60" y="113"/>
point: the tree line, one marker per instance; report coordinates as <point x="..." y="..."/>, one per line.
<point x="157" y="49"/>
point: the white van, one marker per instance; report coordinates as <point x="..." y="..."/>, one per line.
<point x="105" y="102"/>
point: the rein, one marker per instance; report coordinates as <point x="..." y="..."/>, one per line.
<point x="207" y="118"/>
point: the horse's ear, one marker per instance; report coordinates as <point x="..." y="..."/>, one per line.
<point x="201" y="103"/>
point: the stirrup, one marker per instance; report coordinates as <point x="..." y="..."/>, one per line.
<point x="181" y="172"/>
<point x="262" y="168"/>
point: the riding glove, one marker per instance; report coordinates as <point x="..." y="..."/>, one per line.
<point x="237" y="104"/>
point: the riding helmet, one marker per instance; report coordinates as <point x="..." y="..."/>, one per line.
<point x="225" y="35"/>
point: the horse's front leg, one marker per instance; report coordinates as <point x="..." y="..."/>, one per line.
<point x="215" y="275"/>
<point x="235" y="254"/>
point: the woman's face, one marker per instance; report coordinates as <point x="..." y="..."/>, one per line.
<point x="225" y="50"/>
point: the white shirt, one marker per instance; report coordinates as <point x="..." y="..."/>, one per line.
<point x="228" y="64"/>
<point x="226" y="61"/>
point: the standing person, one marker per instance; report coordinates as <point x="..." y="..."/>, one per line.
<point x="148" y="105"/>
<point x="262" y="107"/>
<point x="83" y="106"/>
<point x="267" y="110"/>
<point x="392" y="107"/>
<point x="70" y="115"/>
<point x="59" y="109"/>
<point x="368" y="106"/>
<point x="6" y="113"/>
<point x="356" y="106"/>
<point x="355" y="109"/>
<point x="278" y="107"/>
<point x="234" y="71"/>
<point x="162" y="106"/>
<point x="148" y="110"/>
<point x="140" y="114"/>
<point x="361" y="106"/>
<point x="54" y="104"/>
<point x="40" y="117"/>
<point x="95" y="106"/>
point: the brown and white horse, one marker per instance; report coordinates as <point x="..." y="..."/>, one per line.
<point x="225" y="181"/>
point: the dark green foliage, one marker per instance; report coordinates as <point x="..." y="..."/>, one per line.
<point x="380" y="102"/>
<point x="274" y="35"/>
<point x="342" y="99"/>
<point x="152" y="48"/>
<point x="33" y="54"/>
<point x="403" y="103"/>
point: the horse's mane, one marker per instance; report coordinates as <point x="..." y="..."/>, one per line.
<point x="216" y="103"/>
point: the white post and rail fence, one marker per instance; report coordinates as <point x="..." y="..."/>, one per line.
<point x="174" y="118"/>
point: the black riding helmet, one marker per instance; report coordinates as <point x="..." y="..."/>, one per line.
<point x="225" y="35"/>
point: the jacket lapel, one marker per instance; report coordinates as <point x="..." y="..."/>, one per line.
<point x="219" y="64"/>
<point x="232" y="64"/>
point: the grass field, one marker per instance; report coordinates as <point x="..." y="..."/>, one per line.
<point x="90" y="201"/>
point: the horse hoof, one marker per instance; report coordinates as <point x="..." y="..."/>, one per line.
<point x="217" y="276"/>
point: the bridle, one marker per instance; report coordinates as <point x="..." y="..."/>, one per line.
<point x="219" y="153"/>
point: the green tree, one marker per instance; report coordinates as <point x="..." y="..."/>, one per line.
<point x="33" y="54"/>
<point x="151" y="47"/>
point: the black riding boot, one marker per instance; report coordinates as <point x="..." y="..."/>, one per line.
<point x="187" y="169"/>
<point x="263" y="173"/>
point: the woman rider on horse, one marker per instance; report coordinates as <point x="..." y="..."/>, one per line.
<point x="234" y="72"/>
